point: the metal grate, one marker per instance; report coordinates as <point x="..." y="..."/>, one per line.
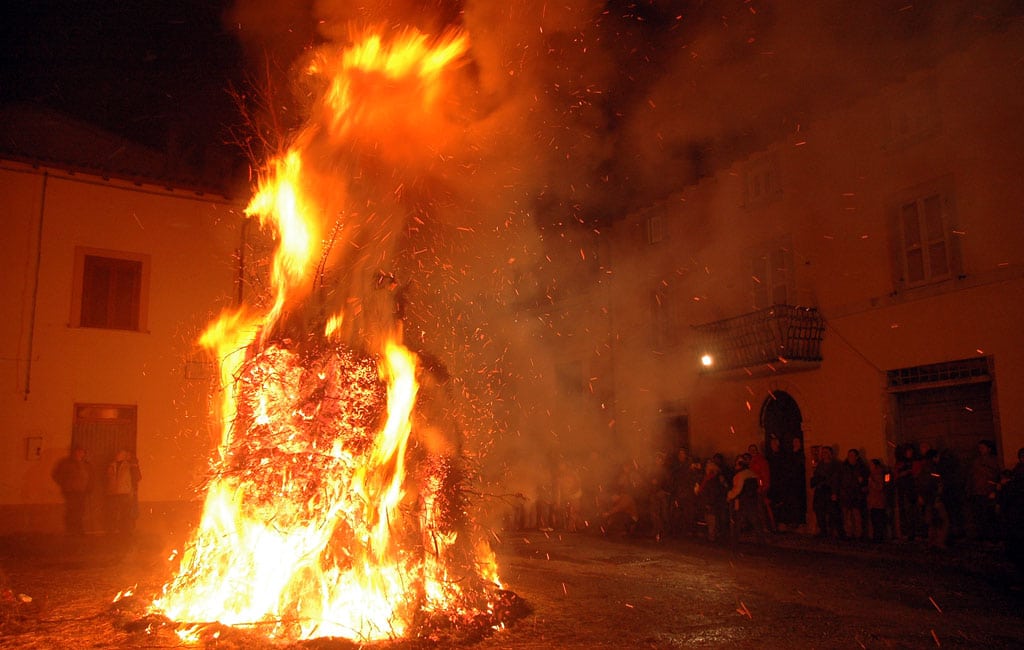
<point x="949" y="371"/>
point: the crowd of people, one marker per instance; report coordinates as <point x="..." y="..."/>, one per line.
<point x="927" y="495"/>
<point x="938" y="498"/>
<point x="675" y="495"/>
<point x="680" y="496"/>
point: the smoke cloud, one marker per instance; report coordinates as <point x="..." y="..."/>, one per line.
<point x="562" y="118"/>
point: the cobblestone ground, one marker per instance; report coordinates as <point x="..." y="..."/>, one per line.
<point x="586" y="591"/>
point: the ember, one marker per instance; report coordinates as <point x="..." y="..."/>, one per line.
<point x="321" y="519"/>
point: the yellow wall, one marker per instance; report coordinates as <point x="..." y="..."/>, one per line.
<point x="46" y="366"/>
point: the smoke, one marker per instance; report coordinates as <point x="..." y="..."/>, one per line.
<point x="598" y="108"/>
<point x="562" y="118"/>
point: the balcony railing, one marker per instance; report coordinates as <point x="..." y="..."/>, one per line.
<point x="771" y="337"/>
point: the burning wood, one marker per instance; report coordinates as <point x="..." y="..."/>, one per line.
<point x="312" y="526"/>
<point x="324" y="517"/>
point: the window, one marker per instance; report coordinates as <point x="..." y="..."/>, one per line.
<point x="762" y="180"/>
<point x="655" y="229"/>
<point x="110" y="293"/>
<point x="111" y="290"/>
<point x="772" y="277"/>
<point x="971" y="370"/>
<point x="925" y="249"/>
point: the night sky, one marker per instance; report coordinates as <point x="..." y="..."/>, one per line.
<point x="141" y="69"/>
<point x="641" y="97"/>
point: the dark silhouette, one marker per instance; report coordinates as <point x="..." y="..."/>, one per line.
<point x="825" y="483"/>
<point x="906" y="492"/>
<point x="74" y="476"/>
<point x="981" y="490"/>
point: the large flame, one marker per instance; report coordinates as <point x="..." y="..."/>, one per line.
<point x="314" y="524"/>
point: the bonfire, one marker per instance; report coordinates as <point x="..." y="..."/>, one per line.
<point x="321" y="519"/>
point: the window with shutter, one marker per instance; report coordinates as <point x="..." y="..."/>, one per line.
<point x="772" y="276"/>
<point x="655" y="229"/>
<point x="110" y="290"/>
<point x="762" y="180"/>
<point x="926" y="250"/>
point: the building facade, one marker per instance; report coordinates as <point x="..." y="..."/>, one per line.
<point x="856" y="284"/>
<point x="108" y="284"/>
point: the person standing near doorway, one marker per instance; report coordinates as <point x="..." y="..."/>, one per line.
<point x="74" y="476"/>
<point x="794" y="489"/>
<point x="123" y="477"/>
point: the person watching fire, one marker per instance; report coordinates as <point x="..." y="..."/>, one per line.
<point x="74" y="476"/>
<point x="123" y="476"/>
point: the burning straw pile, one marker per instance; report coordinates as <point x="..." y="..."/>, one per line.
<point x="324" y="516"/>
<point x="313" y="527"/>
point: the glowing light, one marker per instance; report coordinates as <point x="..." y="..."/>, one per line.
<point x="707" y="361"/>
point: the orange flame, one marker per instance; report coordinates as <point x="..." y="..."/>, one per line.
<point x="411" y="58"/>
<point x="306" y="528"/>
<point x="281" y="200"/>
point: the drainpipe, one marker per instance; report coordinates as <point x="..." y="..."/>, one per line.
<point x="35" y="287"/>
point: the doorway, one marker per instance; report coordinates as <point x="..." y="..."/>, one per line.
<point x="677" y="434"/>
<point x="782" y="421"/>
<point x="102" y="430"/>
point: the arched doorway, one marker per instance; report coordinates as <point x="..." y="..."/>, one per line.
<point x="781" y="420"/>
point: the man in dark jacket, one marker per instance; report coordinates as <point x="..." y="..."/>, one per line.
<point x="74" y="476"/>
<point x="825" y="483"/>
